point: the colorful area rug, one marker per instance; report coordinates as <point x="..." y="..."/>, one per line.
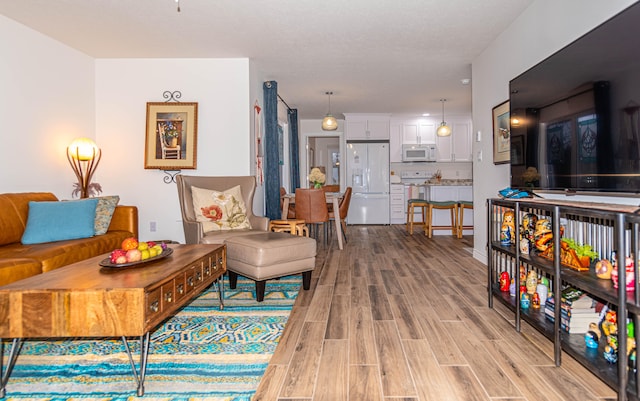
<point x="202" y="353"/>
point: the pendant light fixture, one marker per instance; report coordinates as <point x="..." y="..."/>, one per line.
<point x="443" y="129"/>
<point x="329" y="122"/>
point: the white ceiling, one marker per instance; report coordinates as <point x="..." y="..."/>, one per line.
<point x="377" y="56"/>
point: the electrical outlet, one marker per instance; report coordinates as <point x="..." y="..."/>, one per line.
<point x="479" y="156"/>
<point x="152" y="226"/>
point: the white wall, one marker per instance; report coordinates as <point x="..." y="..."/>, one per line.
<point x="545" y="27"/>
<point x="46" y="100"/>
<point x="124" y="86"/>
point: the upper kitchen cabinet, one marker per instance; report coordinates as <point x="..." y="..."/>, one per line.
<point x="395" y="142"/>
<point x="419" y="131"/>
<point x="366" y="126"/>
<point x="456" y="147"/>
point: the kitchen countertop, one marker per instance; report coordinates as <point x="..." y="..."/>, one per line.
<point x="444" y="182"/>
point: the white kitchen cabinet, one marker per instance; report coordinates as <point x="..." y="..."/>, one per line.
<point x="395" y="142"/>
<point x="397" y="204"/>
<point x="418" y="131"/>
<point x="363" y="127"/>
<point x="442" y="217"/>
<point x="457" y="146"/>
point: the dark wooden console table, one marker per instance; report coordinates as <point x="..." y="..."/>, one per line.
<point x="86" y="300"/>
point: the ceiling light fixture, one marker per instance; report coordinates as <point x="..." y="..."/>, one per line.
<point x="329" y="122"/>
<point x="443" y="129"/>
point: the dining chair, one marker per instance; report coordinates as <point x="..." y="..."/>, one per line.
<point x="343" y="210"/>
<point x="291" y="212"/>
<point x="311" y="206"/>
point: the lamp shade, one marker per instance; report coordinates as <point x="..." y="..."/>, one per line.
<point x="329" y="123"/>
<point x="443" y="130"/>
<point x="83" y="149"/>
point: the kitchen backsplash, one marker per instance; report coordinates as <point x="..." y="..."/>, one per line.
<point x="449" y="170"/>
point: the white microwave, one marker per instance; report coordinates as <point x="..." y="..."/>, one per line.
<point x="419" y="153"/>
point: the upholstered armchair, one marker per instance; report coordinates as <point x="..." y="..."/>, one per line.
<point x="195" y="231"/>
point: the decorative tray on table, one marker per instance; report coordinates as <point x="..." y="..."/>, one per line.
<point x="108" y="264"/>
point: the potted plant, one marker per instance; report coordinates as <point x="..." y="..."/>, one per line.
<point x="170" y="135"/>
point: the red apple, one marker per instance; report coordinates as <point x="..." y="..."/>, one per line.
<point x="116" y="254"/>
<point x="133" y="255"/>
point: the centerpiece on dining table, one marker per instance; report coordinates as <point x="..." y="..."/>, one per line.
<point x="317" y="177"/>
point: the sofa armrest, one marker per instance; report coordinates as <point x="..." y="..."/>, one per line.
<point x="125" y="218"/>
<point x="259" y="223"/>
<point x="192" y="231"/>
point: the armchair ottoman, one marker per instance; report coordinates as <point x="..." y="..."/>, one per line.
<point x="269" y="255"/>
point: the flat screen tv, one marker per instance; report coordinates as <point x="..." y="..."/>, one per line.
<point x="575" y="117"/>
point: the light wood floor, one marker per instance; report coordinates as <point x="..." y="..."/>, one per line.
<point x="396" y="317"/>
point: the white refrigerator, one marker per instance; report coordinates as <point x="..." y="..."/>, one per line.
<point x="368" y="176"/>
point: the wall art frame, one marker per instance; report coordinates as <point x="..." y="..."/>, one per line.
<point x="171" y="136"/>
<point x="501" y="133"/>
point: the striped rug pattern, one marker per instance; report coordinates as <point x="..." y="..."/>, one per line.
<point x="202" y="353"/>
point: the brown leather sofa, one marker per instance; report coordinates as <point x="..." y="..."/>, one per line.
<point x="18" y="261"/>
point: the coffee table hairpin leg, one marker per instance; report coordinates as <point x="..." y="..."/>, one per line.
<point x="144" y="353"/>
<point x="16" y="346"/>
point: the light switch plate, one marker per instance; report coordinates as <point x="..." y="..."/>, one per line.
<point x="478" y="136"/>
<point x="479" y="155"/>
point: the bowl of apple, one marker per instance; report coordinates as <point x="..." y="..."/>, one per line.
<point x="135" y="253"/>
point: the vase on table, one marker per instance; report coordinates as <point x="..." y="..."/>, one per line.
<point x="317" y="185"/>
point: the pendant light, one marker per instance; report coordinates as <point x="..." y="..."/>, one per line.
<point x="329" y="122"/>
<point x="443" y="129"/>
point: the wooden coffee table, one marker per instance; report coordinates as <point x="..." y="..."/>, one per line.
<point x="85" y="299"/>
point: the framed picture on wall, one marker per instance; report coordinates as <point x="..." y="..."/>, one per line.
<point x="501" y="134"/>
<point x="171" y="136"/>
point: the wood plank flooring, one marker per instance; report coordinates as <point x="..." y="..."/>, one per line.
<point x="398" y="317"/>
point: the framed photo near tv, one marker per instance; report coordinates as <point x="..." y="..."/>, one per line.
<point x="501" y="134"/>
<point x="171" y="136"/>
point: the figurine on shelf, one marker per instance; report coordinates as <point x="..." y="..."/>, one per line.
<point x="524" y="246"/>
<point x="527" y="230"/>
<point x="508" y="228"/>
<point x="523" y="275"/>
<point x="525" y="300"/>
<point x="629" y="276"/>
<point x="543" y="292"/>
<point x="531" y="282"/>
<point x="504" y="281"/>
<point x="535" y="300"/>
<point x="512" y="288"/>
<point x="543" y="235"/>
<point x="592" y="336"/>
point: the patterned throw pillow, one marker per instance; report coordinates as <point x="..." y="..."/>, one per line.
<point x="220" y="210"/>
<point x="104" y="212"/>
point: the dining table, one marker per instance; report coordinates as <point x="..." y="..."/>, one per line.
<point x="333" y="198"/>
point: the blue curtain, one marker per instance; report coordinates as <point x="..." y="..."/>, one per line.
<point x="294" y="159"/>
<point x="271" y="156"/>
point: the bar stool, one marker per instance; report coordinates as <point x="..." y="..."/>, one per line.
<point x="452" y="206"/>
<point x="412" y="204"/>
<point x="294" y="226"/>
<point x="461" y="206"/>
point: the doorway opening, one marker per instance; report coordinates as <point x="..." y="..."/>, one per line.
<point x="324" y="152"/>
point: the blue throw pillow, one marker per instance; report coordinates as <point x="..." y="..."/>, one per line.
<point x="58" y="221"/>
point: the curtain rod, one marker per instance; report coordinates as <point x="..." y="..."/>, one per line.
<point x="285" y="103"/>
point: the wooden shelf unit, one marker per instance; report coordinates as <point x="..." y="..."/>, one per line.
<point x="606" y="228"/>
